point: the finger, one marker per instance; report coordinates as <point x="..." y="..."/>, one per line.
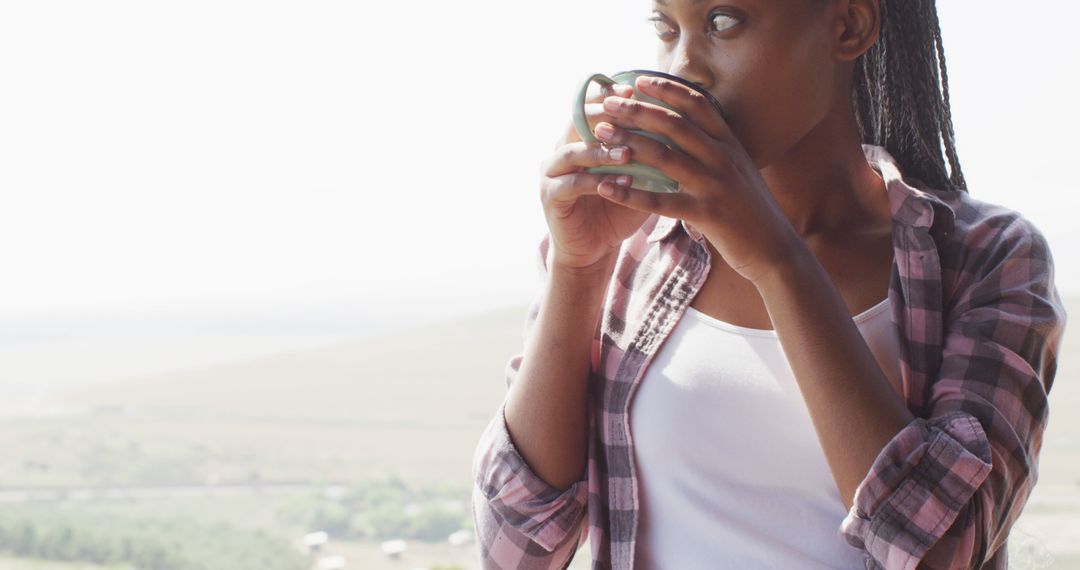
<point x="619" y="89"/>
<point x="594" y="106"/>
<point x="703" y="110"/>
<point x="575" y="156"/>
<point x="622" y="90"/>
<point x="569" y="187"/>
<point x="594" y="110"/>
<point x="671" y="205"/>
<point x="673" y="162"/>
<point x="594" y="114"/>
<point x="630" y="113"/>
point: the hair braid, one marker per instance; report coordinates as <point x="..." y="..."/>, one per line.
<point x="901" y="95"/>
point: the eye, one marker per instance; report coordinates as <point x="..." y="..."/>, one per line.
<point x="718" y="22"/>
<point x="724" y="22"/>
<point x="662" y="28"/>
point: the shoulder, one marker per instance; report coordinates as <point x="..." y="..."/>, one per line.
<point x="998" y="268"/>
<point x="979" y="223"/>
<point x="987" y="238"/>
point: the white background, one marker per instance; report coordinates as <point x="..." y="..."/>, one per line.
<point x="161" y="157"/>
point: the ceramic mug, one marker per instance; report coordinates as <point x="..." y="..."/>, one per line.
<point x="645" y="177"/>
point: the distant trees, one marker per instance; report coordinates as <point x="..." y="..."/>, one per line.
<point x="382" y="509"/>
<point x="52" y="533"/>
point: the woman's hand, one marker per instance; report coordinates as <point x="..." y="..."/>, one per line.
<point x="585" y="228"/>
<point x="594" y="111"/>
<point x="721" y="192"/>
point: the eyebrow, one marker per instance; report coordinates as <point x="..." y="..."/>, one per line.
<point x="692" y="2"/>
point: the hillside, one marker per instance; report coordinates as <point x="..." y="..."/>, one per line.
<point x="411" y="403"/>
<point x="436" y="375"/>
<point x="438" y="385"/>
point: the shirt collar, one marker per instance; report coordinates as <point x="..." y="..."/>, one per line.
<point x="911" y="205"/>
<point x="664" y="225"/>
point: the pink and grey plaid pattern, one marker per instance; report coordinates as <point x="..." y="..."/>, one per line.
<point x="981" y="324"/>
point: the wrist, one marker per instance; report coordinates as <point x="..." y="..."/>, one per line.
<point x="597" y="271"/>
<point x="787" y="268"/>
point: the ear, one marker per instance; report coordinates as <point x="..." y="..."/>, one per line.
<point x="856" y="27"/>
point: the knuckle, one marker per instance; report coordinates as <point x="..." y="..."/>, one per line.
<point x="569" y="153"/>
<point x="724" y="171"/>
<point x="580" y="180"/>
<point x="664" y="153"/>
<point x="722" y="163"/>
<point x="591" y="181"/>
<point x="666" y="87"/>
<point x="670" y="120"/>
<point x="548" y="183"/>
<point x="572" y="180"/>
<point x="558" y="189"/>
<point x="600" y="153"/>
<point x="697" y="100"/>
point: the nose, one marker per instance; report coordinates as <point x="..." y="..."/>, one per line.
<point x="690" y="62"/>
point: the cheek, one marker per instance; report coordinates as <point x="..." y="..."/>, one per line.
<point x="773" y="105"/>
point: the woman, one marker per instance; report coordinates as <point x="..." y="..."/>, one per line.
<point x="821" y="352"/>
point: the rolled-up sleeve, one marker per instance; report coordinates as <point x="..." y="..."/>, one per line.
<point x="521" y="521"/>
<point x="946" y="490"/>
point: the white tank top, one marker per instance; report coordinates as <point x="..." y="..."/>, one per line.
<point x="731" y="471"/>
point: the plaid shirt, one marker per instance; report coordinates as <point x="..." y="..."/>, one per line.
<point x="980" y="322"/>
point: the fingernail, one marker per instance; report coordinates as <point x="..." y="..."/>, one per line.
<point x="617" y="153"/>
<point x="623" y="180"/>
<point x="604" y="131"/>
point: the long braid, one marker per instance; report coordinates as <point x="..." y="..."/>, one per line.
<point x="950" y="137"/>
<point x="901" y="95"/>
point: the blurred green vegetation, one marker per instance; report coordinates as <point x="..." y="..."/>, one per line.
<point x="384" y="508"/>
<point x="235" y="532"/>
<point x="57" y="533"/>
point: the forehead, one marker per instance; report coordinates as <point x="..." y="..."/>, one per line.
<point x="691" y="2"/>
<point x="757" y="3"/>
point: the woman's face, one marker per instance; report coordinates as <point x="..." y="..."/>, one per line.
<point x="766" y="61"/>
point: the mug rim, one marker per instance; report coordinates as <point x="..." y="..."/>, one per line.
<point x="708" y="96"/>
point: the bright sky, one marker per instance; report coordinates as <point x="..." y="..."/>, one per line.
<point x="226" y="153"/>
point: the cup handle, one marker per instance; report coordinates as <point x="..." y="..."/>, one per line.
<point x="581" y="123"/>
<point x="645" y="177"/>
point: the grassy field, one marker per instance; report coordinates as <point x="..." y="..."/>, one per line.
<point x="9" y="563"/>
<point x="411" y="404"/>
<point x="341" y="413"/>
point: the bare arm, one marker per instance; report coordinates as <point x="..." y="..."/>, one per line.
<point x="546" y="408"/>
<point x="532" y="487"/>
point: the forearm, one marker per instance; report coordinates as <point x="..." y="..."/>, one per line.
<point x="545" y="411"/>
<point x="854" y="409"/>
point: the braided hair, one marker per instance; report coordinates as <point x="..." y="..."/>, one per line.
<point x="896" y="96"/>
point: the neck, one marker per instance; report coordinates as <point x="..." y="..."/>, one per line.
<point x="825" y="185"/>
